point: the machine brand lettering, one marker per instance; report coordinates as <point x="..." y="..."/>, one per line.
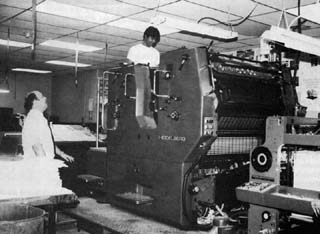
<point x="172" y="138"/>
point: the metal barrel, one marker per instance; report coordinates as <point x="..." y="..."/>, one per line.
<point x="21" y="219"/>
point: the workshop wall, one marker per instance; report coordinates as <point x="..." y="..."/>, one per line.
<point x="71" y="102"/>
<point x="308" y="90"/>
<point x="22" y="83"/>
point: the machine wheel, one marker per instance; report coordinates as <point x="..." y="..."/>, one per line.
<point x="261" y="159"/>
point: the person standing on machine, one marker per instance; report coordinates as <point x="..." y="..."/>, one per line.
<point x="145" y="53"/>
<point x="145" y="58"/>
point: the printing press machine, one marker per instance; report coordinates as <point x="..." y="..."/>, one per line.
<point x="179" y="137"/>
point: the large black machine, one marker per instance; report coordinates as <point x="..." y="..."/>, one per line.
<point x="179" y="137"/>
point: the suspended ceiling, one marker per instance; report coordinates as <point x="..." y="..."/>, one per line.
<point x="115" y="41"/>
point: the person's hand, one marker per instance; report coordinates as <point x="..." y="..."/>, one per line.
<point x="315" y="204"/>
<point x="67" y="157"/>
<point x="20" y="118"/>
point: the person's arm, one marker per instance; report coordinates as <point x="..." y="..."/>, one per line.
<point x="131" y="56"/>
<point x="63" y="155"/>
<point x="20" y="118"/>
<point x="156" y="60"/>
<point x="38" y="150"/>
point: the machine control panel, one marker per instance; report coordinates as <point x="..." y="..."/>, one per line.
<point x="256" y="186"/>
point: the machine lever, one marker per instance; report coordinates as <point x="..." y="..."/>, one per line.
<point x="167" y="76"/>
<point x="185" y="58"/>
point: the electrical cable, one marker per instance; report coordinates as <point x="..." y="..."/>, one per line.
<point x="228" y="23"/>
<point x="185" y="180"/>
<point x="184" y="189"/>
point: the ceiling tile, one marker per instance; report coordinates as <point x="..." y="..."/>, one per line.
<point x="272" y="18"/>
<point x="63" y="22"/>
<point x="284" y="4"/>
<point x="195" y="12"/>
<point x="103" y="37"/>
<point x="149" y="3"/>
<point x="111" y="6"/>
<point x="18" y="3"/>
<point x="120" y="32"/>
<point x="7" y="12"/>
<point x="234" y="7"/>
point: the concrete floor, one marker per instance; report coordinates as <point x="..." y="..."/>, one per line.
<point x="108" y="216"/>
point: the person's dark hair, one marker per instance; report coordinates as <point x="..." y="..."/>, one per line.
<point x="28" y="102"/>
<point x="152" y="32"/>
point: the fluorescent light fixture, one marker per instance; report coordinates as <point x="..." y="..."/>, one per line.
<point x="309" y="12"/>
<point x="30" y="70"/>
<point x="140" y="26"/>
<point x="65" y="63"/>
<point x="192" y="28"/>
<point x="14" y="43"/>
<point x="4" y="90"/>
<point x="292" y="40"/>
<point x="74" y="12"/>
<point x="70" y="46"/>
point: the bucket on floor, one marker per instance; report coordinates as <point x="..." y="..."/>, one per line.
<point x="21" y="219"/>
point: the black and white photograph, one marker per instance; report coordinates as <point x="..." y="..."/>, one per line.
<point x="159" y="116"/>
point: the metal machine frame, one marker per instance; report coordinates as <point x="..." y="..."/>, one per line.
<point x="266" y="192"/>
